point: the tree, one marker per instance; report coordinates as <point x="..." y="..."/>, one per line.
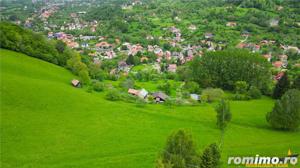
<point x="180" y="150"/>
<point x="132" y="60"/>
<point x="223" y="114"/>
<point x="281" y="87"/>
<point x="84" y="77"/>
<point x="296" y="83"/>
<point x="210" y="157"/>
<point x="286" y="112"/>
<point x="98" y="86"/>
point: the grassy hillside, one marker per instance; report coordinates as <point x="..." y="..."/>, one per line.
<point x="45" y="122"/>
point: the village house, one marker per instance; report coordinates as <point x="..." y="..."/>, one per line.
<point x="160" y="97"/>
<point x="192" y="27"/>
<point x="133" y="92"/>
<point x="208" y="35"/>
<point x="172" y="68"/>
<point x="86" y="38"/>
<point x="231" y="24"/>
<point x="150" y="48"/>
<point x="134" y="49"/>
<point x="158" y="52"/>
<point x="110" y="54"/>
<point x="122" y="66"/>
<point x="279" y="75"/>
<point x="278" y="64"/>
<point x="283" y="57"/>
<point x="268" y="57"/>
<point x="76" y="83"/>
<point x="168" y="55"/>
<point x="143" y="94"/>
<point x="143" y="59"/>
<point x="195" y="97"/>
<point x="274" y="22"/>
<point x="72" y="44"/>
<point x="102" y="46"/>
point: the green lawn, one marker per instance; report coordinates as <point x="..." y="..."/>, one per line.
<point x="45" y="122"/>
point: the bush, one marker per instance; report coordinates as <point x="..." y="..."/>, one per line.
<point x="191" y="87"/>
<point x="98" y="86"/>
<point x="113" y="95"/>
<point x="238" y="96"/>
<point x="241" y="87"/>
<point x="140" y="102"/>
<point x="165" y="87"/>
<point x="129" y="98"/>
<point x="213" y="94"/>
<point x="254" y="93"/>
<point x="286" y="112"/>
<point x="127" y="83"/>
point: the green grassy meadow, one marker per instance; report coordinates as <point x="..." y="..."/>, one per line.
<point x="45" y="122"/>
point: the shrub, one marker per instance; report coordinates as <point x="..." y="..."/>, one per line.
<point x="127" y="83"/>
<point x="98" y="86"/>
<point x="165" y="87"/>
<point x="140" y="102"/>
<point x="191" y="87"/>
<point x="213" y="94"/>
<point x="286" y="112"/>
<point x="254" y="92"/>
<point x="241" y="87"/>
<point x="113" y="95"/>
<point x="238" y="96"/>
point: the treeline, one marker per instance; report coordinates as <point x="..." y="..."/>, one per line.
<point x="15" y="38"/>
<point x="36" y="45"/>
<point x="224" y="68"/>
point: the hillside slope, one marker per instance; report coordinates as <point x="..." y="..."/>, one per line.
<point x="45" y="122"/>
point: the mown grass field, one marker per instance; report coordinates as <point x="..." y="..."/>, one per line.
<point x="45" y="122"/>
